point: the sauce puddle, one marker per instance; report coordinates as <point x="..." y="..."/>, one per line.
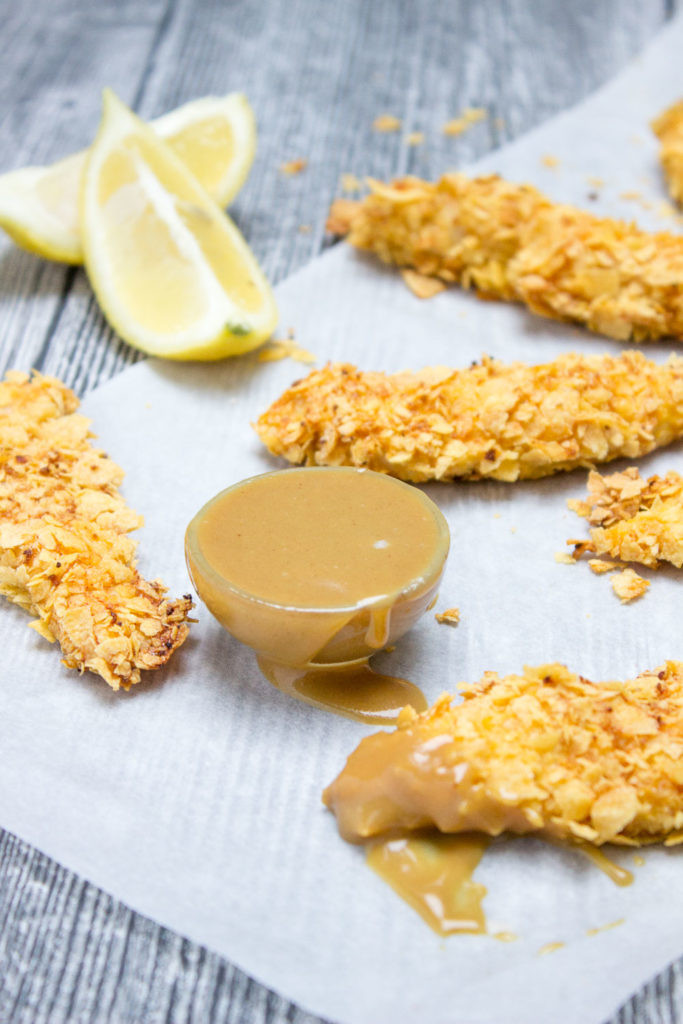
<point x="354" y="691"/>
<point x="433" y="873"/>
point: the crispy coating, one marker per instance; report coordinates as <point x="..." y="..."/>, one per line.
<point x="510" y="242"/>
<point x="633" y="519"/>
<point x="668" y="128"/>
<point x="505" y="421"/>
<point x="65" y="554"/>
<point x="546" y="751"/>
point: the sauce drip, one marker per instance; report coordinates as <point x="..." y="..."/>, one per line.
<point x="354" y="691"/>
<point x="433" y="873"/>
<point x="620" y="876"/>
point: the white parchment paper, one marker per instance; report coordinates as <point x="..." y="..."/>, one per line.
<point x="196" y="797"/>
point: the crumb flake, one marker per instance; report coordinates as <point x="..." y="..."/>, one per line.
<point x="628" y="585"/>
<point x="491" y="420"/>
<point x="565" y="558"/>
<point x="600" y="566"/>
<point x="449" y="617"/>
<point x="414" y="139"/>
<point x="350" y="183"/>
<point x="510" y="242"/>
<point x="464" y="121"/>
<point x="65" y="552"/>
<point x="386" y="123"/>
<point x="421" y="285"/>
<point x="550" y="161"/>
<point x="284" y="348"/>
<point x="293" y="167"/>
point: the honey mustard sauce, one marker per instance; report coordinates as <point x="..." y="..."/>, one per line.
<point x="392" y="786"/>
<point x="316" y="570"/>
<point x="433" y="873"/>
<point x="597" y="856"/>
<point x="354" y="691"/>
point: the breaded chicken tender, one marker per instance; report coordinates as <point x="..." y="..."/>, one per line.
<point x="633" y="519"/>
<point x="544" y="752"/>
<point x="65" y="554"/>
<point x="506" y="421"/>
<point x="511" y="242"/>
<point x="668" y="128"/>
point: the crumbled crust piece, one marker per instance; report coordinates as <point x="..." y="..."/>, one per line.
<point x="421" y="286"/>
<point x="386" y="123"/>
<point x="285" y="348"/>
<point x="350" y="183"/>
<point x="628" y="585"/>
<point x="544" y="752"/>
<point x="510" y="242"/>
<point x="65" y="554"/>
<point x="292" y="167"/>
<point x="668" y="128"/>
<point x="414" y="138"/>
<point x="564" y="558"/>
<point x="600" y="566"/>
<point x="505" y="421"/>
<point x="633" y="519"/>
<point x="465" y="121"/>
<point x="449" y="617"/>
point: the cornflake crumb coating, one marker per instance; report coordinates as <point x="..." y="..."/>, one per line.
<point x="633" y="519"/>
<point x="504" y="421"/>
<point x="668" y="128"/>
<point x="544" y="752"/>
<point x="510" y="242"/>
<point x="65" y="554"/>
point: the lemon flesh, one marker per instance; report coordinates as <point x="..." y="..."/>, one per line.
<point x="172" y="273"/>
<point x="215" y="136"/>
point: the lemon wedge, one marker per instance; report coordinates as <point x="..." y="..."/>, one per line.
<point x="172" y="273"/>
<point x="215" y="136"/>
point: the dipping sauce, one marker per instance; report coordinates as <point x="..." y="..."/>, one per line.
<point x="318" y="567"/>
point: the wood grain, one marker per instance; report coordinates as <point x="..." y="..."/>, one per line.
<point x="317" y="74"/>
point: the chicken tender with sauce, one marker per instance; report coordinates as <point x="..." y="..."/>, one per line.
<point x="545" y="752"/>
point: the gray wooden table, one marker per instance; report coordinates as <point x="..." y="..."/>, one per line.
<point x="317" y="73"/>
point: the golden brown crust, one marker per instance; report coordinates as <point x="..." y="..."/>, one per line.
<point x="633" y="519"/>
<point x="505" y="421"/>
<point x="64" y="551"/>
<point x="510" y="242"/>
<point x="546" y="751"/>
<point x="668" y="128"/>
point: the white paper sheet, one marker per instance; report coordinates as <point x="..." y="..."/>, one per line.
<point x="196" y="798"/>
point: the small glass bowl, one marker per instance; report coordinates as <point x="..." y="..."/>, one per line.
<point x="304" y="637"/>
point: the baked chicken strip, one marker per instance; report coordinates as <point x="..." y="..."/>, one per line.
<point x="633" y="519"/>
<point x="65" y="554"/>
<point x="544" y="752"/>
<point x="506" y="421"/>
<point x="668" y="128"/>
<point x="511" y="242"/>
